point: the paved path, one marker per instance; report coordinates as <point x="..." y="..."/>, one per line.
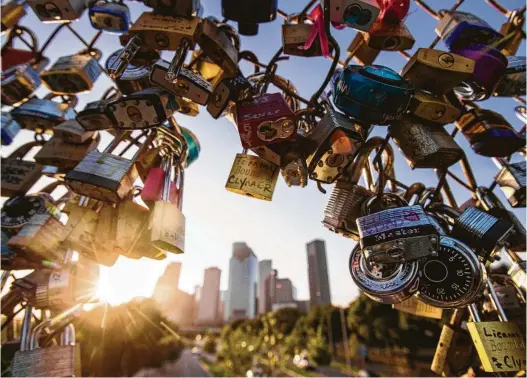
<point x="188" y="366"/>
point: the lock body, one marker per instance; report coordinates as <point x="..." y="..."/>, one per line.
<point x="18" y="175"/>
<point x="388" y="36"/>
<point x="356" y="14"/>
<point x="18" y="83"/>
<point x="168" y="227"/>
<point x="433" y="108"/>
<point x="63" y="155"/>
<point x="97" y="116"/>
<point x="295" y="36"/>
<point x="72" y="131"/>
<point x="12" y="12"/>
<point x="265" y="119"/>
<point x="136" y="75"/>
<point x="52" y="361"/>
<point x="41" y="114"/>
<point x="361" y="52"/>
<point x="511" y="180"/>
<point x="176" y="8"/>
<point x="357" y="94"/>
<point x="249" y="14"/>
<point x="452" y="356"/>
<point x="218" y="47"/>
<point x="9" y="129"/>
<point x="513" y="82"/>
<point x="110" y="17"/>
<point x="58" y="10"/>
<point x="228" y="91"/>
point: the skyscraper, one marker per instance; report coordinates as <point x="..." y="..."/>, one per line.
<point x="243" y="274"/>
<point x="319" y="291"/>
<point x="264" y="269"/>
<point x="167" y="283"/>
<point x="210" y="297"/>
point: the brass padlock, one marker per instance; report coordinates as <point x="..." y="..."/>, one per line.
<point x="437" y="71"/>
<point x="513" y="33"/>
<point x="511" y="179"/>
<point x="73" y="74"/>
<point x="44" y="114"/>
<point x="220" y="43"/>
<point x="11" y="12"/>
<point x="252" y="176"/>
<point x="295" y="33"/>
<point x="361" y="52"/>
<point x="425" y="145"/>
<point x="97" y="115"/>
<point x="388" y="36"/>
<point x="433" y="108"/>
<point x="64" y="155"/>
<point x="19" y="175"/>
<point x="207" y="68"/>
<point x="131" y="223"/>
<point x="72" y="131"/>
<point x="58" y="10"/>
<point x="106" y="230"/>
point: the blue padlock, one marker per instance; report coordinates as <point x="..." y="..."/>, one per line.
<point x="9" y="130"/>
<point x="110" y="17"/>
<point x="372" y="94"/>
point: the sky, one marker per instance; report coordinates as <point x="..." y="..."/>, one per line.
<point x="277" y="230"/>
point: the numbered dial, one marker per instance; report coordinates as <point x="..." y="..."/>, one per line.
<point x="453" y="278"/>
<point x="18" y="210"/>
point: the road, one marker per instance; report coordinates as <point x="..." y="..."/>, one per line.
<point x="188" y="366"/>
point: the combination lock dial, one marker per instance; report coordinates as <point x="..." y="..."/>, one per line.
<point x="453" y="278"/>
<point x="18" y="210"/>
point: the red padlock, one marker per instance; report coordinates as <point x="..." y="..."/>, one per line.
<point x="12" y="56"/>
<point x="264" y="120"/>
<point x="153" y="187"/>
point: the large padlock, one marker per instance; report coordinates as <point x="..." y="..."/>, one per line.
<point x="357" y="89"/>
<point x="143" y="110"/>
<point x="361" y="52"/>
<point x="177" y="8"/>
<point x="511" y="180"/>
<point x="136" y="75"/>
<point x="9" y="129"/>
<point x="220" y="43"/>
<point x="513" y="81"/>
<point x="103" y="176"/>
<point x="460" y="29"/>
<point x="357" y="14"/>
<point x="97" y="115"/>
<point x="43" y="114"/>
<point x="433" y="108"/>
<point x="190" y="84"/>
<point x="337" y="139"/>
<point x="515" y="24"/>
<point x="64" y="155"/>
<point x="228" y="91"/>
<point x="425" y="145"/>
<point x="19" y="175"/>
<point x="389" y="36"/>
<point x="437" y="71"/>
<point x="73" y="74"/>
<point x="113" y="17"/>
<point x="249" y="14"/>
<point x="12" y="12"/>
<point x="58" y="10"/>
<point x="489" y="133"/>
<point x="252" y="176"/>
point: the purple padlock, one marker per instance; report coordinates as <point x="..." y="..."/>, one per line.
<point x="490" y="67"/>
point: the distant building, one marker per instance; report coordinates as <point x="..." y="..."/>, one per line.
<point x="284" y="291"/>
<point x="243" y="274"/>
<point x="209" y="297"/>
<point x="319" y="290"/>
<point x="264" y="269"/>
<point x="303" y="306"/>
<point x="221" y="305"/>
<point x="167" y="283"/>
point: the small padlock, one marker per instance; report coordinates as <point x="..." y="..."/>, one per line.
<point x="510" y="44"/>
<point x="190" y="84"/>
<point x="489" y="133"/>
<point x="58" y="10"/>
<point x="337" y="139"/>
<point x="228" y="91"/>
<point x="511" y="179"/>
<point x="44" y="114"/>
<point x="136" y="75"/>
<point x="425" y="145"/>
<point x="113" y="17"/>
<point x="73" y="74"/>
<point x="9" y="129"/>
<point x="295" y="173"/>
<point x="97" y="115"/>
<point x="12" y="12"/>
<point x="18" y="83"/>
<point x="357" y="90"/>
<point x="143" y="110"/>
<point x="176" y="8"/>
<point x="249" y="14"/>
<point x="356" y="14"/>
<point x="361" y="52"/>
<point x="433" y="108"/>
<point x="388" y="36"/>
<point x="19" y="175"/>
<point x="220" y="44"/>
<point x="295" y="35"/>
<point x="460" y="29"/>
<point x="103" y="176"/>
<point x="513" y="81"/>
<point x="252" y="176"/>
<point x="437" y="71"/>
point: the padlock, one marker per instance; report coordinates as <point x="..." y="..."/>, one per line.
<point x="12" y="12"/>
<point x="113" y="17"/>
<point x="96" y="115"/>
<point x="220" y="44"/>
<point x="481" y="231"/>
<point x="159" y="33"/>
<point x="13" y="56"/>
<point x="415" y="307"/>
<point x="295" y="173"/>
<point x="62" y="360"/>
<point x="72" y="131"/>
<point x="357" y="90"/>
<point x="265" y="119"/>
<point x="517" y="271"/>
<point x="489" y="69"/>
<point x="437" y="71"/>
<point x="454" y="348"/>
<point x="9" y="129"/>
<point x="511" y="180"/>
<point x="284" y="153"/>
<point x="206" y="68"/>
<point x="510" y="45"/>
<point x="73" y="74"/>
<point x="58" y="10"/>
<point x="249" y="14"/>
<point x="136" y="75"/>
<point x="143" y="110"/>
<point x="19" y="175"/>
<point x="513" y="81"/>
<point x="507" y="295"/>
<point x="489" y="133"/>
<point x="384" y="283"/>
<point x="190" y="84"/>
<point x="389" y="36"/>
<point x="103" y="176"/>
<point x="452" y="278"/>
<point x="500" y="344"/>
<point x="337" y="139"/>
<point x="295" y="35"/>
<point x="106" y="231"/>
<point x="18" y="83"/>
<point x="228" y="91"/>
<point x="460" y="29"/>
<point x="176" y="8"/>
<point x="361" y="52"/>
<point x="356" y="14"/>
<point x="44" y="114"/>
<point x="252" y="176"/>
<point x="433" y="108"/>
<point x="424" y="144"/>
<point x="64" y="155"/>
<point x="193" y="147"/>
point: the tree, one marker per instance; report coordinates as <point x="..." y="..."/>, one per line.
<point x="317" y="348"/>
<point x="210" y="344"/>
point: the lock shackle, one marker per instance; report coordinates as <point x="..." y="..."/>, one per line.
<point x="70" y="100"/>
<point x="111" y="94"/>
<point x="16" y="32"/>
<point x="93" y="52"/>
<point x="385" y="170"/>
<point x="167" y="163"/>
<point x="251" y="58"/>
<point x="260" y="79"/>
<point x="389" y="201"/>
<point x="442" y="209"/>
<point x="494" y="300"/>
<point x="67" y="337"/>
<point x="297" y="18"/>
<point x="231" y="33"/>
<point x="356" y="168"/>
<point x="25" y="333"/>
<point x="474" y="312"/>
<point x="488" y="199"/>
<point x="416" y="189"/>
<point x="429" y="194"/>
<point x="22" y="151"/>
